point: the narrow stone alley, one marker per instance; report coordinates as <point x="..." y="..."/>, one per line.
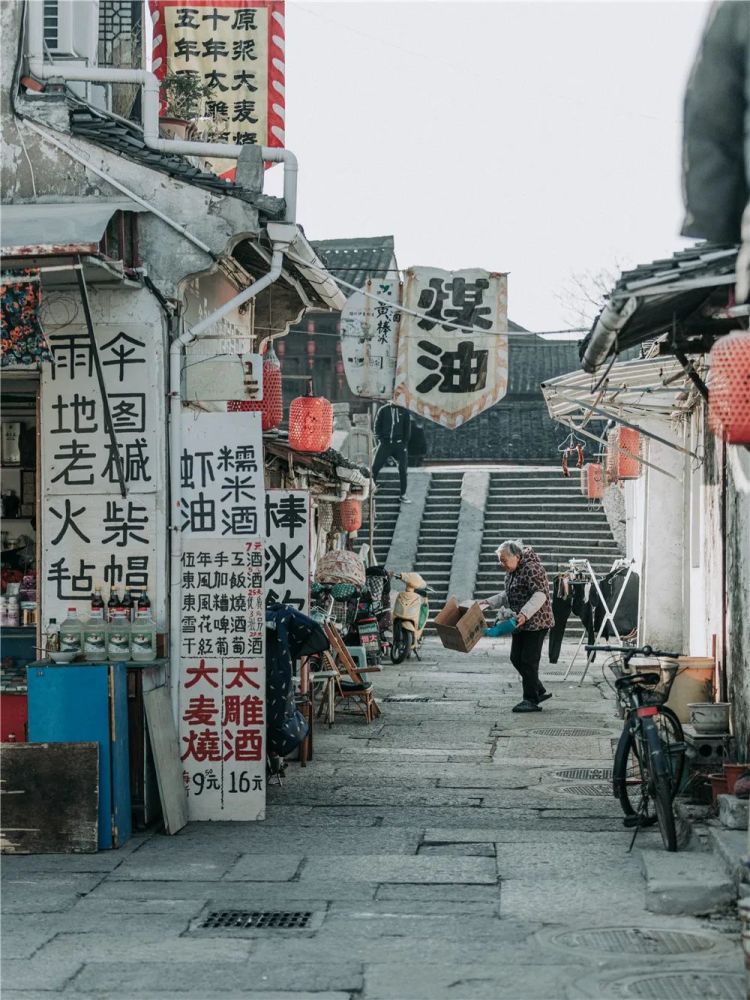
<point x="449" y="850"/>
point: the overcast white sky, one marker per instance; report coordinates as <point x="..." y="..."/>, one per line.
<point x="539" y="138"/>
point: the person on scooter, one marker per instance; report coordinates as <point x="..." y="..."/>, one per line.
<point x="527" y="594"/>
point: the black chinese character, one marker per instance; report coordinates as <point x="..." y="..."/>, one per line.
<point x="68" y="522"/>
<point x="282" y="567"/>
<point x="84" y="415"/>
<point x="466" y="307"/>
<point x="244" y="79"/>
<point x="215" y="17"/>
<point x="186" y="47"/>
<point x="244" y="111"/>
<point x="186" y="17"/>
<point x="76" y="471"/>
<point x="243" y="49"/>
<point x="134" y="462"/>
<point x="462" y="370"/>
<point x="289" y="513"/>
<point x="240" y="521"/>
<point x="123" y="525"/>
<point x="199" y="514"/>
<point x="123" y="355"/>
<point x="213" y="80"/>
<point x="81" y="583"/>
<point x="212" y="48"/>
<point x="71" y="351"/>
<point x="244" y="20"/>
<point x="128" y="412"/>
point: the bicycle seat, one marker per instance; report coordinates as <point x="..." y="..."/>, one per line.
<point x="632" y="680"/>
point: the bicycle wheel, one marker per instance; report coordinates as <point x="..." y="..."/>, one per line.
<point x="627" y="774"/>
<point x="662" y="795"/>
<point x="659" y="782"/>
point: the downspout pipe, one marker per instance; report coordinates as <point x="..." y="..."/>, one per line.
<point x="150" y="87"/>
<point x="176" y="348"/>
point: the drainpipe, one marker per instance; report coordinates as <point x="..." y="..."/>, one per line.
<point x="150" y="86"/>
<point x="280" y="244"/>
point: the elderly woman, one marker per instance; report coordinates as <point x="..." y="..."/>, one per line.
<point x="527" y="594"/>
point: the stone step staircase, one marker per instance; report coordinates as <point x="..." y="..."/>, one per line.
<point x="387" y="506"/>
<point x="549" y="513"/>
<point x="438" y="533"/>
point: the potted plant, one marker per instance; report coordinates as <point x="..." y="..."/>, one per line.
<point x="184" y="100"/>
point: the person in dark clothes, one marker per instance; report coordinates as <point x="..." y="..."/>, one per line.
<point x="392" y="429"/>
<point x="417" y="444"/>
<point x="527" y="594"/>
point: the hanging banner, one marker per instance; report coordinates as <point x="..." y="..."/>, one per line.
<point x="222" y="679"/>
<point x="95" y="536"/>
<point x="288" y="520"/>
<point x="235" y="48"/>
<point x="453" y="361"/>
<point x="222" y="694"/>
<point x="369" y="335"/>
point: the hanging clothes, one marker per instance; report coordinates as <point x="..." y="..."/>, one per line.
<point x="289" y="635"/>
<point x="562" y="604"/>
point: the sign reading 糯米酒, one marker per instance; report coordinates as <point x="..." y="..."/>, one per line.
<point x="369" y="334"/>
<point x="452" y="356"/>
<point x="235" y="48"/>
<point x="288" y="548"/>
<point x="222" y="694"/>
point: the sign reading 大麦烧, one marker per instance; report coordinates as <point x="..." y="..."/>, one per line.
<point x="288" y="548"/>
<point x="369" y="334"/>
<point x="234" y="49"/>
<point x="94" y="536"/>
<point x="222" y="679"/>
<point x="453" y="355"/>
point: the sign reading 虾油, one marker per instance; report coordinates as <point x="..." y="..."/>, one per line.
<point x="453" y="345"/>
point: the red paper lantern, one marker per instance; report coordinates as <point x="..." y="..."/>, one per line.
<point x="624" y="446"/>
<point x="592" y="480"/>
<point x="348" y="515"/>
<point x="270" y="407"/>
<point x="729" y="388"/>
<point x="310" y="423"/>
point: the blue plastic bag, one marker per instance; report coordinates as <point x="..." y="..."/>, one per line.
<point x="501" y="628"/>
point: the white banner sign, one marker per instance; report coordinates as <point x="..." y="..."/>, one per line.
<point x="221" y="475"/>
<point x="453" y="356"/>
<point x="288" y="548"/>
<point x="369" y="333"/>
<point x="222" y="679"/>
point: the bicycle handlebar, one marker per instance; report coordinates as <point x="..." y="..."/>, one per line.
<point x="633" y="651"/>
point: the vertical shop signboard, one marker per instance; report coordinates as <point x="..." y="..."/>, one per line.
<point x="94" y="536"/>
<point x="287" y="527"/>
<point x="222" y="687"/>
<point x="369" y="338"/>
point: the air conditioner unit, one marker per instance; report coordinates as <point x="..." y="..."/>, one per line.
<point x="61" y="19"/>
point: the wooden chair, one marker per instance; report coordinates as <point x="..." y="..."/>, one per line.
<point x="350" y="683"/>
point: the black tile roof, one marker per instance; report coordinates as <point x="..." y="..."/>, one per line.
<point x="357" y="259"/>
<point x="123" y="137"/>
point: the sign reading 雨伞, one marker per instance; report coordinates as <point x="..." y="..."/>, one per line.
<point x="453" y="354"/>
<point x="235" y="50"/>
<point x="222" y="693"/>
<point x="288" y="548"/>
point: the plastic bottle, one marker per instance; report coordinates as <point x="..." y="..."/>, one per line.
<point x="52" y="637"/>
<point x="118" y="637"/>
<point x="95" y="639"/>
<point x="143" y="637"/>
<point x="71" y="634"/>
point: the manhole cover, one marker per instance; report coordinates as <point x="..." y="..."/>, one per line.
<point x="585" y="774"/>
<point x="242" y="919"/>
<point x="684" y="984"/>
<point x="635" y="940"/>
<point x="406" y="697"/>
<point x="564" y="732"/>
<point x="597" y="791"/>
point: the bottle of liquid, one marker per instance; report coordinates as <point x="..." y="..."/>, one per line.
<point x="95" y="639"/>
<point x="143" y="605"/>
<point x="118" y="637"/>
<point x="71" y="634"/>
<point x="112" y="603"/>
<point x="52" y="637"/>
<point x="127" y="605"/>
<point x="143" y="637"/>
<point x="97" y="606"/>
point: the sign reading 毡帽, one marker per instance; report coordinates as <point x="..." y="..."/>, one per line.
<point x="95" y="536"/>
<point x="369" y="332"/>
<point x="221" y="508"/>
<point x="236" y="49"/>
<point x="222" y="679"/>
<point x="453" y="355"/>
<point x="288" y="548"/>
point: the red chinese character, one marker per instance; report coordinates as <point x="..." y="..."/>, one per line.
<point x="246" y="711"/>
<point x="242" y="676"/>
<point x="245" y="744"/>
<point x="202" y="746"/>
<point x="200" y="711"/>
<point x="202" y="673"/>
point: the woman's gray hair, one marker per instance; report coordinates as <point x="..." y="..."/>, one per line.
<point x="515" y="548"/>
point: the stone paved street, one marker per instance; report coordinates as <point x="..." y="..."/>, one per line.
<point x="439" y="851"/>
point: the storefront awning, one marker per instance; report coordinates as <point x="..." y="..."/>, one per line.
<point x="71" y="227"/>
<point x="686" y="299"/>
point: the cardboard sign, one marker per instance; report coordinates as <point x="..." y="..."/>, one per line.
<point x="460" y="628"/>
<point x="288" y="520"/>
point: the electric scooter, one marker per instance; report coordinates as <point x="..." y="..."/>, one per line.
<point x="410" y="614"/>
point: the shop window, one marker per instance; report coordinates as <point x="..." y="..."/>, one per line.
<point x="120" y="240"/>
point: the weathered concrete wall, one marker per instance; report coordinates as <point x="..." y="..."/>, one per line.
<point x="613" y="504"/>
<point x="738" y="594"/>
<point x="474" y="489"/>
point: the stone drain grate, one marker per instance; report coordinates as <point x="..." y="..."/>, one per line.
<point x="634" y="940"/>
<point x="244" y="919"/>
<point x="408" y="698"/>
<point x="675" y="985"/>
<point x="563" y="732"/>
<point x="592" y="790"/>
<point x="585" y="774"/>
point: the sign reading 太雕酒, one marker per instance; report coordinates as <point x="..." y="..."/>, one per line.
<point x="236" y="49"/>
<point x="222" y="636"/>
<point x="453" y="356"/>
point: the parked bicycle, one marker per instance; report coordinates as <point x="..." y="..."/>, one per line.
<point x="650" y="756"/>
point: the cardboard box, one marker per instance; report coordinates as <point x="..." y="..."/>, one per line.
<point x="460" y="628"/>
